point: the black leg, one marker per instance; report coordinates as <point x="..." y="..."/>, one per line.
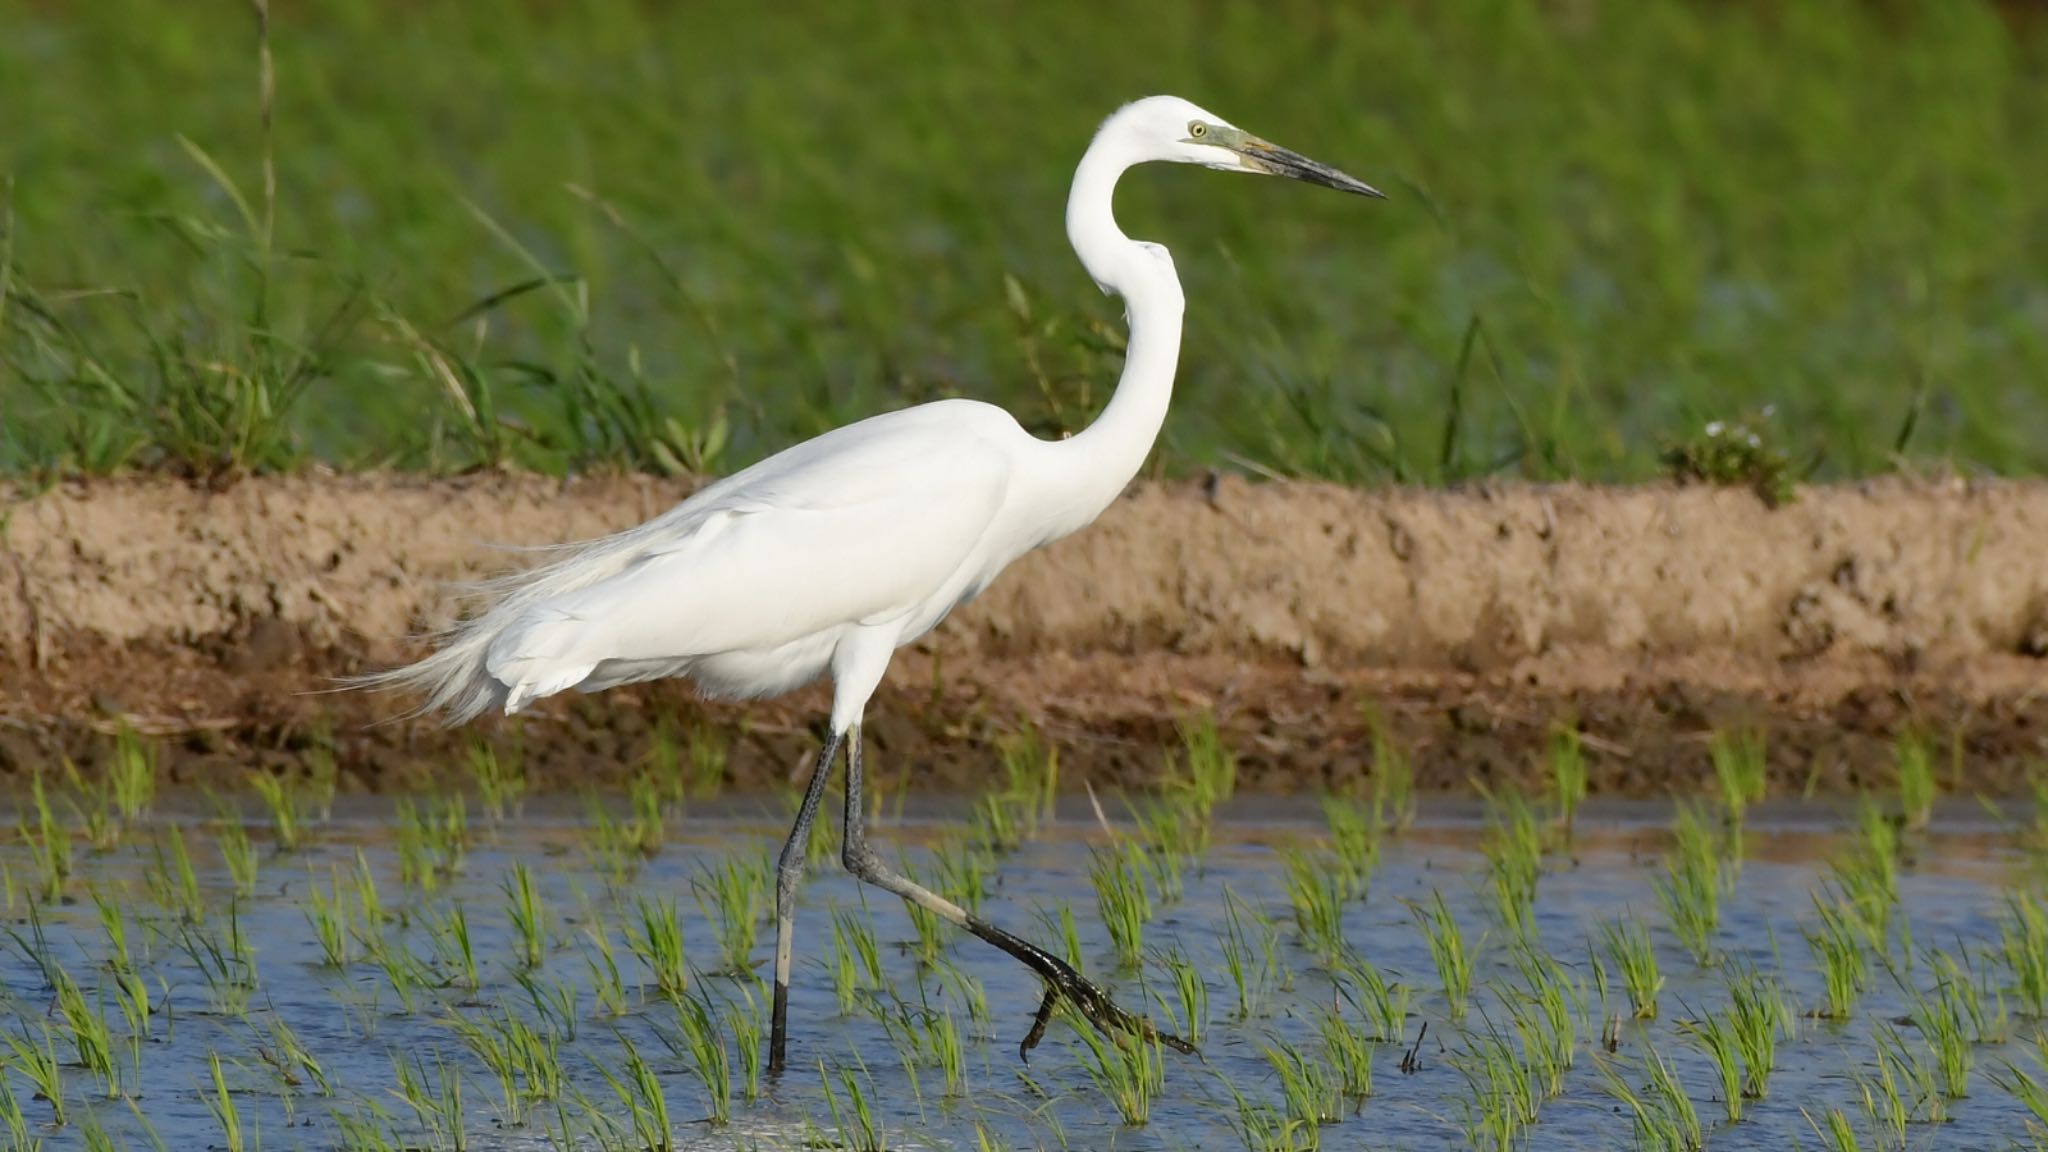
<point x="1060" y="978"/>
<point x="789" y="875"/>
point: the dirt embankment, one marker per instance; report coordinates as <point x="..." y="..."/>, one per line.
<point x="1470" y="621"/>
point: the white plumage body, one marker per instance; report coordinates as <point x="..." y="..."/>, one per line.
<point x="904" y="515"/>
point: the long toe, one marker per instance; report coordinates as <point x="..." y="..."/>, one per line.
<point x="1038" y="1023"/>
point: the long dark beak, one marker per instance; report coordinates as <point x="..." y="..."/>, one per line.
<point x="1269" y="157"/>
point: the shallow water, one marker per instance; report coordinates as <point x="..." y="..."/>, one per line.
<point x="1953" y="888"/>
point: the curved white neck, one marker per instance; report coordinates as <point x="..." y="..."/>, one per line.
<point x="1095" y="464"/>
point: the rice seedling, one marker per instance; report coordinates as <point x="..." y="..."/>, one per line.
<point x="1906" y="1090"/>
<point x="1211" y="767"/>
<point x="1630" y="951"/>
<point x="130" y="777"/>
<point x="173" y="882"/>
<point x="1448" y="950"/>
<point x="224" y="962"/>
<point x="1117" y="873"/>
<point x="745" y="1025"/>
<point x="326" y="913"/>
<point x="1545" y="1012"/>
<point x="1865" y="874"/>
<point x="1265" y="1128"/>
<point x="1130" y="1073"/>
<point x="38" y="1064"/>
<point x="114" y="925"/>
<point x="358" y="887"/>
<point x="1355" y="839"/>
<point x="930" y="1037"/>
<point x="658" y="943"/>
<point x="418" y="865"/>
<point x="710" y="751"/>
<point x="1190" y="1006"/>
<point x="291" y="1060"/>
<point x="606" y="983"/>
<point x="528" y="914"/>
<point x="131" y="993"/>
<point x="928" y="932"/>
<point x="2023" y="944"/>
<point x="435" y="1099"/>
<point x="1347" y="1051"/>
<point x="221" y="1103"/>
<point x="322" y="774"/>
<point x="1715" y="1035"/>
<point x="1663" y="1115"/>
<point x="403" y="973"/>
<point x="1309" y="1088"/>
<point x="703" y="1043"/>
<point x="1365" y="988"/>
<point x="93" y="810"/>
<point x="454" y="947"/>
<point x="859" y="1130"/>
<point x="962" y="870"/>
<point x="15" y="1127"/>
<point x="238" y="852"/>
<point x="2030" y="1091"/>
<point x="619" y="846"/>
<point x="281" y="799"/>
<point x="1031" y="768"/>
<point x="1250" y="954"/>
<point x="1501" y="1099"/>
<point x="1568" y="775"/>
<point x="1943" y="1017"/>
<point x="1393" y="777"/>
<point x="494" y="1048"/>
<point x="554" y="1002"/>
<point x="500" y="782"/>
<point x="1315" y="889"/>
<point x="1168" y="834"/>
<point x="1833" y="1130"/>
<point x="1913" y="765"/>
<point x="1758" y="1015"/>
<point x="858" y="955"/>
<point x="1690" y="889"/>
<point x="365" y="1126"/>
<point x="1741" y="767"/>
<point x="735" y="897"/>
<point x="49" y="845"/>
<point x="1514" y="861"/>
<point x="1837" y="946"/>
<point x="90" y="1036"/>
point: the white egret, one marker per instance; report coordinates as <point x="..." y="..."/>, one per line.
<point x="830" y="555"/>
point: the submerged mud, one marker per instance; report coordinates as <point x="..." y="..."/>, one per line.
<point x="1467" y="622"/>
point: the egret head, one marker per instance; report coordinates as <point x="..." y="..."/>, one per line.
<point x="1172" y="129"/>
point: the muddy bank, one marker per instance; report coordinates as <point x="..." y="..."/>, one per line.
<point x="1470" y="621"/>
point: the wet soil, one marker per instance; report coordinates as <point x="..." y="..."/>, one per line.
<point x="1469" y="622"/>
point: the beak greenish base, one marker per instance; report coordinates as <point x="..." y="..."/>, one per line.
<point x="1258" y="155"/>
<point x="1264" y="156"/>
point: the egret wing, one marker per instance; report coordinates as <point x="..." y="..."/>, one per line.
<point x="864" y="535"/>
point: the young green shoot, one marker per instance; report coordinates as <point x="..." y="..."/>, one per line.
<point x="1631" y="953"/>
<point x="1568" y="776"/>
<point x="1448" y="949"/>
<point x="1913" y="764"/>
<point x="1741" y="767"/>
<point x="1316" y="890"/>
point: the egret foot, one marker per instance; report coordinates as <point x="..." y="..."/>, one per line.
<point x="1062" y="982"/>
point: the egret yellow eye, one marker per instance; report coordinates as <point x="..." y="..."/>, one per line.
<point x="1197" y="129"/>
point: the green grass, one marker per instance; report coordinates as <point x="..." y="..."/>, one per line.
<point x="701" y="231"/>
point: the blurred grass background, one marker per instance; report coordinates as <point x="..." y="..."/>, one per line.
<point x="583" y="235"/>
